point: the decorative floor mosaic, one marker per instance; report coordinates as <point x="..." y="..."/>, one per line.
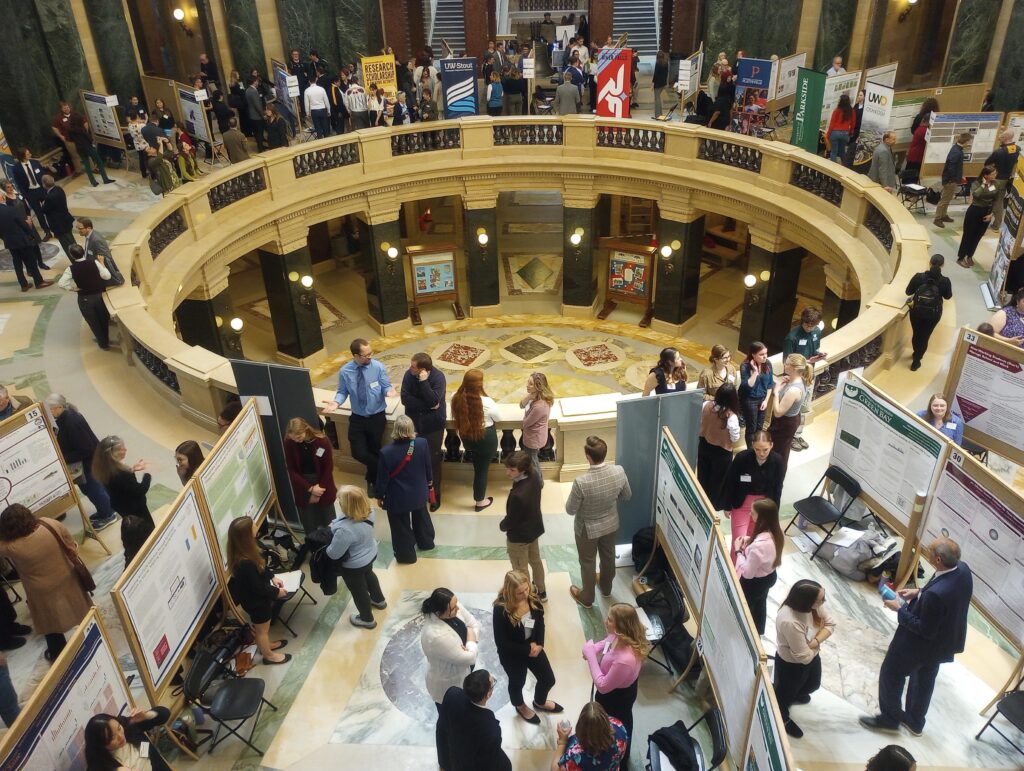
<point x="532" y="273"/>
<point x="330" y="316"/>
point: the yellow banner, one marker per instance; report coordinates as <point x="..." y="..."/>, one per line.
<point x="380" y="70"/>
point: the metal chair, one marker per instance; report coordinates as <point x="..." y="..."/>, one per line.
<point x="821" y="509"/>
<point x="1011" y="706"/>
<point x="913" y="199"/>
<point x="666" y="610"/>
<point x="719" y="747"/>
<point x="302" y="594"/>
<point x="975" y="450"/>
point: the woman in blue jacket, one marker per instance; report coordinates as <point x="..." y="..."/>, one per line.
<point x="942" y="419"/>
<point x="756" y="382"/>
<point x="404" y="479"/>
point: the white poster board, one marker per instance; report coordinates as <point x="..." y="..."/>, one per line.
<point x="688" y="82"/>
<point x="785" y="81"/>
<point x="31" y="468"/>
<point x="767" y="746"/>
<point x="945" y="127"/>
<point x="983" y="515"/>
<point x="835" y="87"/>
<point x="529" y="69"/>
<point x="48" y="735"/>
<point x="887" y="449"/>
<point x="684" y="517"/>
<point x="905" y="108"/>
<point x="728" y="643"/>
<point x="563" y="33"/>
<point x="168" y="589"/>
<point x="193" y="116"/>
<point x="101" y="112"/>
<point x="883" y="75"/>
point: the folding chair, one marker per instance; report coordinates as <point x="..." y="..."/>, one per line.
<point x="719" y="747"/>
<point x="302" y="594"/>
<point x="665" y="609"/>
<point x="975" y="450"/>
<point x="821" y="509"/>
<point x="1011" y="706"/>
<point x="913" y="198"/>
<point x="234" y="700"/>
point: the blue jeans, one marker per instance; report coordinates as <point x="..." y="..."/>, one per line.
<point x="9" y="708"/>
<point x="96" y="493"/>
<point x="840" y="139"/>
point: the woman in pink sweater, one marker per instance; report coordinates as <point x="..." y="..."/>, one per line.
<point x="537" y="403"/>
<point x="615" y="664"/>
<point x="757" y="556"/>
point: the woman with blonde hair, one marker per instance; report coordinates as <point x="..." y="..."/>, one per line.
<point x="789" y="395"/>
<point x="599" y="742"/>
<point x="353" y="542"/>
<point x="475" y="413"/>
<point x="720" y="370"/>
<point x="538" y="402"/>
<point x="615" y="664"/>
<point x="254" y="586"/>
<point x="404" y="483"/>
<point x="310" y="461"/>
<point x="519" y="638"/>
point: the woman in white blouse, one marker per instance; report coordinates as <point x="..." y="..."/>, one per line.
<point x="801" y="626"/>
<point x="475" y="413"/>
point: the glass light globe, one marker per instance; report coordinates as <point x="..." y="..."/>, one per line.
<point x="237" y="324"/>
<point x="749" y="280"/>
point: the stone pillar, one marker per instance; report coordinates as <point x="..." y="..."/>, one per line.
<point x="807" y="32"/>
<point x="769" y="304"/>
<point x="476" y="20"/>
<point x="681" y="25"/>
<point x="204" y="317"/>
<point x="680" y="231"/>
<point x="579" y="285"/>
<point x="971" y="40"/>
<point x="842" y="299"/>
<point x="481" y="232"/>
<point x="394" y="17"/>
<point x="288" y="279"/>
<point x="600" y="21"/>
<point x="381" y="245"/>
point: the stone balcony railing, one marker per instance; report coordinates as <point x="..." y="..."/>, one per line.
<point x="782" y="192"/>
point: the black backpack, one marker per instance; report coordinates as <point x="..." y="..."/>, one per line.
<point x="927" y="300"/>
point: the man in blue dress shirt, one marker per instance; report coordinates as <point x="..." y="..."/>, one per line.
<point x="366" y="383"/>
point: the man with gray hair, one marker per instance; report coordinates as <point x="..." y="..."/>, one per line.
<point x="9" y="404"/>
<point x="932" y="629"/>
<point x="1004" y="158"/>
<point x="883" y="163"/>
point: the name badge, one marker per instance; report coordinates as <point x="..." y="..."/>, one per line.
<point x="744" y="477"/>
<point x="607" y="647"/>
<point x="802" y="342"/>
<point x="951" y="426"/>
<point x="375" y="386"/>
<point x="319" y="452"/>
<point x="528" y="622"/>
<point x="670" y="386"/>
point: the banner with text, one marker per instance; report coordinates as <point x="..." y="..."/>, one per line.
<point x="874" y="120"/>
<point x="753" y="89"/>
<point x="835" y="87"/>
<point x="381" y="70"/>
<point x="810" y="90"/>
<point x="789" y="69"/>
<point x="614" y="66"/>
<point x="1009" y="247"/>
<point x="688" y="82"/>
<point x="459" y="87"/>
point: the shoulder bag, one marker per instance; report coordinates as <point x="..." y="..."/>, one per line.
<point x="431" y="493"/>
<point x="81" y="571"/>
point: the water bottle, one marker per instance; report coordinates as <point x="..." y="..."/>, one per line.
<point x="886" y="591"/>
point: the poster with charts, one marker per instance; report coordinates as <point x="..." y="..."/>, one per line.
<point x="32" y="472"/>
<point x="945" y="128"/>
<point x="49" y="734"/>
<point x="1009" y="246"/>
<point x="728" y="643"/>
<point x="101" y="112"/>
<point x="788" y="70"/>
<point x="835" y="87"/>
<point x="767" y="745"/>
<point x="193" y="115"/>
<point x="168" y="589"/>
<point x="984" y="516"/>
<point x="684" y="517"/>
<point x="884" y="447"/>
<point x="235" y="478"/>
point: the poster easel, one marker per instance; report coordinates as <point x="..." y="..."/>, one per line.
<point x="434" y="276"/>
<point x="33" y="471"/>
<point x="104" y="124"/>
<point x="630" y="278"/>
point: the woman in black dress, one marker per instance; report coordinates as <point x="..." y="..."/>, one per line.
<point x="254" y="587"/>
<point x="127" y="493"/>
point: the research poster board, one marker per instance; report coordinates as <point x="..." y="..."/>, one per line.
<point x="1008" y="248"/>
<point x="193" y="116"/>
<point x="767" y="743"/>
<point x="986" y="386"/>
<point x="983" y="515"/>
<point x="684" y="517"/>
<point x="101" y="112"/>
<point x="874" y="121"/>
<point x="49" y="733"/>
<point x="164" y="595"/>
<point x="883" y="75"/>
<point x="907" y="104"/>
<point x="286" y="91"/>
<point x="945" y="127"/>
<point x="835" y="87"/>
<point x="789" y="69"/>
<point x="235" y="478"/>
<point x="730" y="647"/>
<point x="892" y="453"/>
<point x="32" y="470"/>
<point x="689" y="75"/>
<point x="1015" y="122"/>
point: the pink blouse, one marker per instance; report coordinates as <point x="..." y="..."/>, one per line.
<point x="758" y="558"/>
<point x="618" y="668"/>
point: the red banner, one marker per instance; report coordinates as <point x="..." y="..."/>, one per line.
<point x="614" y="71"/>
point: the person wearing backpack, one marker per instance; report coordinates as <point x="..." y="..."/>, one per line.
<point x="926" y="291"/>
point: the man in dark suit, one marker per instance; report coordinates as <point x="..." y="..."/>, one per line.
<point x="55" y="207"/>
<point x="96" y="246"/>
<point x="932" y="630"/>
<point x="469" y="733"/>
<point x="20" y="240"/>
<point x="423" y="394"/>
<point x="28" y="174"/>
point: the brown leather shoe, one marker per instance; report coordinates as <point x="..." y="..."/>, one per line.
<point x="939" y="223"/>
<point x="44" y="285"/>
<point x="575" y="592"/>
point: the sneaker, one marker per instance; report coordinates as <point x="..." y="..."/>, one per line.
<point x="356" y="621"/>
<point x="798" y="444"/>
<point x="102" y="524"/>
<point x="914" y="731"/>
<point x="379" y="605"/>
<point x="877" y="723"/>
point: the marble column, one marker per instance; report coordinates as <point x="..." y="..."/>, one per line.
<point x="475" y="21"/>
<point x="28" y="100"/>
<point x="835" y="31"/>
<point x="579" y="285"/>
<point x="482" y="258"/>
<point x="1010" y="71"/>
<point x="721" y="19"/>
<point x="971" y="40"/>
<point x="115" y="47"/>
<point x="244" y="36"/>
<point x="310" y="25"/>
<point x="678" y="272"/>
<point x="600" y="19"/>
<point x="359" y="28"/>
<point x="681" y="26"/>
<point x="206" y="321"/>
<point x="842" y="298"/>
<point x="769" y="27"/>
<point x="768" y="305"/>
<point x="417" y="26"/>
<point x="60" y="34"/>
<point x="395" y="27"/>
<point x="293" y="309"/>
<point x="385" y="275"/>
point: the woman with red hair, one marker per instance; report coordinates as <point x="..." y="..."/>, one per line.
<point x="475" y="413"/>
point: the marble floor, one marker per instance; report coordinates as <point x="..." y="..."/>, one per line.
<point x="353" y="698"/>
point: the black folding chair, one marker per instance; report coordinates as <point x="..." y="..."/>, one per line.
<point x="821" y="509"/>
<point x="302" y="594"/>
<point x="719" y="747"/>
<point x="667" y="612"/>
<point x="975" y="450"/>
<point x="1011" y="706"/>
<point x="232" y="700"/>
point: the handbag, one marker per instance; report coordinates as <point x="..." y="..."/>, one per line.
<point x="81" y="571"/>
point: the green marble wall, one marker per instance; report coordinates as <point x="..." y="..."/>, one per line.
<point x="244" y="36"/>
<point x="60" y="36"/>
<point x="28" y="100"/>
<point x="759" y="28"/>
<point x="1010" y="73"/>
<point x="337" y="29"/>
<point x="970" y="44"/>
<point x="835" y="29"/>
<point x="721" y="30"/>
<point x="114" y="45"/>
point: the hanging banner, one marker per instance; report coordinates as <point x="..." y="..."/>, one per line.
<point x="753" y="86"/>
<point x="688" y="82"/>
<point x="789" y="69"/>
<point x="835" y="87"/>
<point x="614" y="66"/>
<point x="810" y="90"/>
<point x="885" y="75"/>
<point x="1009" y="246"/>
<point x="459" y="86"/>
<point x="101" y="111"/>
<point x="380" y="70"/>
<point x="874" y="121"/>
<point x="193" y="115"/>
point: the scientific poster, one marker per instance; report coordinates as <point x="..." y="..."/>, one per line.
<point x="433" y="274"/>
<point x="835" y="87"/>
<point x="101" y="112"/>
<point x="1008" y="248"/>
<point x="990" y="532"/>
<point x="31" y="472"/>
<point x="883" y="75"/>
<point x="168" y="591"/>
<point x="689" y="75"/>
<point x="904" y="109"/>
<point x="765" y="748"/>
<point x="628" y="275"/>
<point x="789" y="69"/>
<point x="989" y="392"/>
<point x="193" y="115"/>
<point x="284" y="91"/>
<point x="684" y="519"/>
<point x="946" y="127"/>
<point x="881" y="446"/>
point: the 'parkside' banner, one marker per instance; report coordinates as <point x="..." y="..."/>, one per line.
<point x="380" y="70"/>
<point x="614" y="66"/>
<point x="874" y="121"/>
<point x="810" y="90"/>
<point x="458" y="84"/>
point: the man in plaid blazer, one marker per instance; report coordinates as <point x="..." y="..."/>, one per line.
<point x="594" y="502"/>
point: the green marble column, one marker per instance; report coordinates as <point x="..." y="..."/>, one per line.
<point x="385" y="278"/>
<point x="579" y="287"/>
<point x="675" y="299"/>
<point x="206" y="323"/>
<point x="293" y="309"/>
<point x="1010" y="72"/>
<point x="337" y="29"/>
<point x="836" y="308"/>
<point x="769" y="27"/>
<point x="835" y="30"/>
<point x="482" y="259"/>
<point x="721" y="30"/>
<point x="244" y="36"/>
<point x="114" y="48"/>
<point x="359" y="27"/>
<point x="768" y="306"/>
<point x="60" y="34"/>
<point x="28" y="100"/>
<point x="969" y="45"/>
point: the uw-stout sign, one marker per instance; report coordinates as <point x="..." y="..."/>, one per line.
<point x="459" y="86"/>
